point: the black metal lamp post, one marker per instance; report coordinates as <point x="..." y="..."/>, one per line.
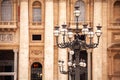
<point x="76" y="42"/>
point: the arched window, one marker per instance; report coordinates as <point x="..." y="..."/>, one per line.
<point x="82" y="11"/>
<point x="6" y="10"/>
<point x="116" y="11"/>
<point x="36" y="11"/>
<point x="36" y="71"/>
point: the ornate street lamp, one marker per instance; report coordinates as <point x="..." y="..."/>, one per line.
<point x="76" y="41"/>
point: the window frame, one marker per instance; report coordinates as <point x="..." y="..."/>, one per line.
<point x="14" y="72"/>
<point x="12" y="11"/>
<point x="35" y="6"/>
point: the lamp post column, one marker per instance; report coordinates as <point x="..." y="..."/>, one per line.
<point x="89" y="59"/>
<point x="77" y="66"/>
<point x="77" y="70"/>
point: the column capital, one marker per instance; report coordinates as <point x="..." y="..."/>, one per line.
<point x="15" y="50"/>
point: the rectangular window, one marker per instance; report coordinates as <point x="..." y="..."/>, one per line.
<point x="36" y="37"/>
<point x="8" y="62"/>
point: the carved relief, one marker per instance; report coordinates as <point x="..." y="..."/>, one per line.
<point x="36" y="52"/>
<point x="6" y="37"/>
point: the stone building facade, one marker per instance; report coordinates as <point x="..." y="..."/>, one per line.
<point x="27" y="43"/>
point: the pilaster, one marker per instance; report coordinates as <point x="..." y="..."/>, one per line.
<point x="62" y="53"/>
<point x="24" y="41"/>
<point x="104" y="34"/>
<point x="49" y="39"/>
<point x="97" y="52"/>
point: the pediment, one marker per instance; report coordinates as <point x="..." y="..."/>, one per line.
<point x="115" y="46"/>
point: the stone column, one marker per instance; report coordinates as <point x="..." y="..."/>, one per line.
<point x="97" y="52"/>
<point x="15" y="63"/>
<point x="62" y="54"/>
<point x="49" y="39"/>
<point x="24" y="41"/>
